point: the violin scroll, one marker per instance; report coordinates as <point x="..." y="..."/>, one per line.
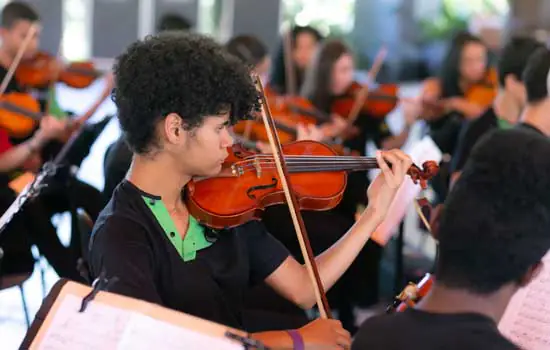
<point x="429" y="170"/>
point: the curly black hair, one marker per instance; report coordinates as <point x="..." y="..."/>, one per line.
<point x="178" y="72"/>
<point x="496" y="221"/>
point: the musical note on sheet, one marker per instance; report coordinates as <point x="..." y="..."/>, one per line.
<point x="526" y="321"/>
<point x="106" y="327"/>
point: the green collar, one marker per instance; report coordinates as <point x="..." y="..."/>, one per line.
<point x="194" y="239"/>
<point x="503" y="123"/>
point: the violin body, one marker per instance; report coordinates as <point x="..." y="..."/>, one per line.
<point x="379" y="102"/>
<point x="79" y="75"/>
<point x="19" y="113"/>
<point x="241" y="194"/>
<point x="44" y="69"/>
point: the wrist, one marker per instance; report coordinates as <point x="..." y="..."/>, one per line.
<point x="297" y="340"/>
<point x="372" y="216"/>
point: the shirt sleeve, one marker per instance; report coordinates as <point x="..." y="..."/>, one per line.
<point x="120" y="248"/>
<point x="266" y="253"/>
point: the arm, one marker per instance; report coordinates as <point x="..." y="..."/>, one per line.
<point x="291" y="279"/>
<point x="16" y="156"/>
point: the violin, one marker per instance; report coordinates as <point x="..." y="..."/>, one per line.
<point x="379" y="102"/>
<point x="482" y="93"/>
<point x="19" y="113"/>
<point x="44" y="69"/>
<point x="249" y="183"/>
<point x="412" y="294"/>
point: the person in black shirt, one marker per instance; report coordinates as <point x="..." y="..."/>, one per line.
<point x="176" y="96"/>
<point x="508" y="105"/>
<point x="493" y="234"/>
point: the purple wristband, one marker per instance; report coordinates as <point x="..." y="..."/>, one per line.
<point x="297" y="340"/>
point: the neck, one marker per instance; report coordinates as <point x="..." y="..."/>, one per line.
<point x="446" y="300"/>
<point x="6" y="58"/>
<point x="536" y="115"/>
<point x="507" y="107"/>
<point x="156" y="175"/>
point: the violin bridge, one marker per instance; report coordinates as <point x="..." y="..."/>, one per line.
<point x="258" y="167"/>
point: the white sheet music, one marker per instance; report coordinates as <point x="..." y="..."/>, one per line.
<point x="526" y="321"/>
<point x="105" y="327"/>
<point x="138" y="336"/>
<point x="100" y="327"/>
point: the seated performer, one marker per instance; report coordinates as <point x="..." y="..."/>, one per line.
<point x="175" y="115"/>
<point x="494" y="231"/>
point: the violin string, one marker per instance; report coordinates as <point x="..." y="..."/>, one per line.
<point x="291" y="158"/>
<point x="312" y="167"/>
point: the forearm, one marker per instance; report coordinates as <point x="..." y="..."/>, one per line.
<point x="15" y="157"/>
<point x="274" y="339"/>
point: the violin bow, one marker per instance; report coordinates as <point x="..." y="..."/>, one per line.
<point x="364" y="92"/>
<point x="292" y="201"/>
<point x="11" y="71"/>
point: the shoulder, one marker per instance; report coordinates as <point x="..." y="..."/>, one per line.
<point x="121" y="220"/>
<point x="374" y="331"/>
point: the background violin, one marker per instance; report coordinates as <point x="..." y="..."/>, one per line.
<point x="44" y="69"/>
<point x="249" y="183"/>
<point x="379" y="102"/>
<point x="19" y="113"/>
<point x="412" y="294"/>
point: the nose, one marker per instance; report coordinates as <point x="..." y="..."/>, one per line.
<point x="227" y="139"/>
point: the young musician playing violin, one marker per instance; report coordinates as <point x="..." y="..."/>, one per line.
<point x="493" y="235"/>
<point x="508" y="105"/>
<point x="466" y="86"/>
<point x="16" y="20"/>
<point x="177" y="125"/>
<point x="32" y="226"/>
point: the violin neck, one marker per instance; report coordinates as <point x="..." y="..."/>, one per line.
<point x="304" y="164"/>
<point x="315" y="113"/>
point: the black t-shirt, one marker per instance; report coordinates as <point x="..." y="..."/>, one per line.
<point x="128" y="242"/>
<point x="13" y="86"/>
<point x="415" y="329"/>
<point x="470" y="133"/>
<point x="529" y="127"/>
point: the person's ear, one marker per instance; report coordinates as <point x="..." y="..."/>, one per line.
<point x="173" y="129"/>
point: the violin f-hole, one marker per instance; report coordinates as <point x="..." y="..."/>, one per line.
<point x="273" y="184"/>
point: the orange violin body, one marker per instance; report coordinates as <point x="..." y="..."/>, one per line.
<point x="44" y="69"/>
<point x="248" y="184"/>
<point x="19" y="113"/>
<point x="379" y="102"/>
